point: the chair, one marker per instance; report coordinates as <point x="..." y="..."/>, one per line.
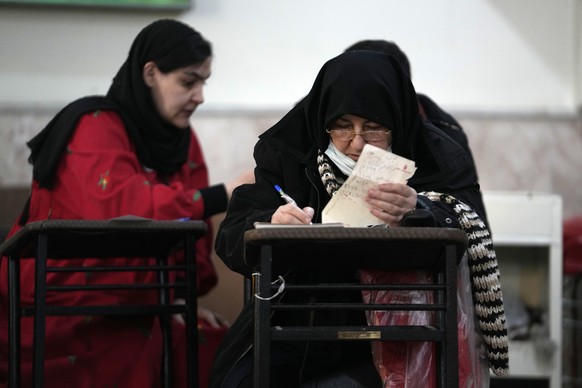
<point x="124" y="237"/>
<point x="278" y="249"/>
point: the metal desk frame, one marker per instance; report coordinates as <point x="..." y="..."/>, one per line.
<point x="438" y="250"/>
<point x="65" y="239"/>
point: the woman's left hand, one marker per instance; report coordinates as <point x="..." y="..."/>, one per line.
<point x="391" y="201"/>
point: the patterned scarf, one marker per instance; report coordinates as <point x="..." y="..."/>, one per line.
<point x="485" y="284"/>
<point x="483" y="268"/>
<point x="328" y="177"/>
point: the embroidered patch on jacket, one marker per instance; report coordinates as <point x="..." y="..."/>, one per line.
<point x="196" y="196"/>
<point x="104" y="180"/>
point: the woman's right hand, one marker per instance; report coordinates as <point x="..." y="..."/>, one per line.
<point x="292" y="214"/>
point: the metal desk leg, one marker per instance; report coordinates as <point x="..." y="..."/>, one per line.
<point x="14" y="321"/>
<point x="191" y="311"/>
<point x="262" y="345"/>
<point x="451" y="341"/>
<point x="165" y="324"/>
<point x="441" y="321"/>
<point x="39" y="312"/>
<point x="447" y="361"/>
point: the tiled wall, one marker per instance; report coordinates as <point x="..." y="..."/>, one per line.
<point x="513" y="152"/>
<point x="540" y="153"/>
<point x="520" y="152"/>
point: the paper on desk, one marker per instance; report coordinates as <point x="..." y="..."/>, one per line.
<point x="268" y="225"/>
<point x="374" y="166"/>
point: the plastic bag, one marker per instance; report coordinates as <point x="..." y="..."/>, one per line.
<point x="413" y="364"/>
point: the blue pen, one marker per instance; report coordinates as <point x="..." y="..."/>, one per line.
<point x="286" y="197"/>
<point x="283" y="195"/>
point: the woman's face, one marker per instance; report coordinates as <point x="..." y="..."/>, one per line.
<point x="178" y="93"/>
<point x="361" y="131"/>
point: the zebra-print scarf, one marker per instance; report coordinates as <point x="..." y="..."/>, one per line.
<point x="483" y="268"/>
<point x="485" y="283"/>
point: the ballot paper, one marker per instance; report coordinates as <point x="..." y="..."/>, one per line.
<point x="375" y="166"/>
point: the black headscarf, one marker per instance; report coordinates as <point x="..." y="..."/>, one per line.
<point x="386" y="47"/>
<point x="159" y="144"/>
<point x="367" y="84"/>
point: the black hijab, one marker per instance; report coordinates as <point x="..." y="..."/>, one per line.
<point x="159" y="144"/>
<point x="367" y="84"/>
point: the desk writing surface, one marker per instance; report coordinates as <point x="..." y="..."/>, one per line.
<point x="402" y="248"/>
<point x="102" y="238"/>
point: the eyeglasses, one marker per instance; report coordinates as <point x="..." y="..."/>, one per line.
<point x="373" y="136"/>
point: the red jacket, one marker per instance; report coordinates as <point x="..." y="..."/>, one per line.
<point x="100" y="177"/>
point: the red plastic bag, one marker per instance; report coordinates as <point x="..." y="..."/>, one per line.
<point x="413" y="364"/>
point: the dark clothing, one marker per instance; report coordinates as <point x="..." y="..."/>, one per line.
<point x="369" y="85"/>
<point x="451" y="127"/>
<point x="443" y="120"/>
<point x="302" y="182"/>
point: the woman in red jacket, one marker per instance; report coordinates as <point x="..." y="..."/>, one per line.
<point x="131" y="152"/>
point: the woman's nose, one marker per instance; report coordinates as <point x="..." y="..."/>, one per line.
<point x="358" y="140"/>
<point x="198" y="95"/>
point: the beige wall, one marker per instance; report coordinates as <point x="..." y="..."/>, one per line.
<point x="482" y="54"/>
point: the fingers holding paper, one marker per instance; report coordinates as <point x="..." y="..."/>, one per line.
<point x="391" y="201"/>
<point x="292" y="214"/>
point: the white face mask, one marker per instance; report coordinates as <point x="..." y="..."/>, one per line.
<point x="342" y="161"/>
